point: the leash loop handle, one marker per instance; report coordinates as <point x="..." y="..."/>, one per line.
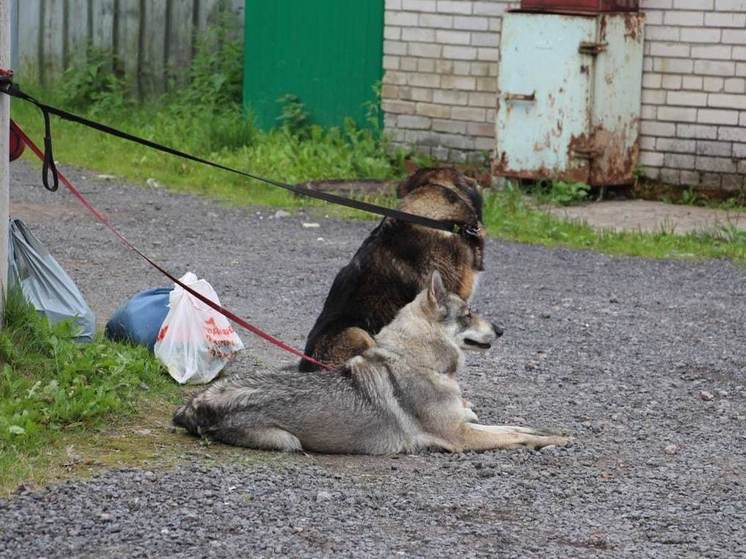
<point x="48" y="164"/>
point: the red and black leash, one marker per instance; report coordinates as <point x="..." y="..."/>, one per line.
<point x="107" y="223"/>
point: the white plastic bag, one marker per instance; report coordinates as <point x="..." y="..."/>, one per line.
<point x="195" y="342"/>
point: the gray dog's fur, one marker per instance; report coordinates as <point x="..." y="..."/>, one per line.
<point x="399" y="396"/>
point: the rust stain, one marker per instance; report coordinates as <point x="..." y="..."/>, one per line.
<point x="602" y="29"/>
<point x="502" y="168"/>
<point x="499" y="166"/>
<point x="612" y="161"/>
<point x="633" y="24"/>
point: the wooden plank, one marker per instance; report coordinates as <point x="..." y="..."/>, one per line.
<point x="29" y="40"/>
<point x="78" y="33"/>
<point x="180" y="34"/>
<point x="128" y="41"/>
<point x="14" y="34"/>
<point x="53" y="41"/>
<point x="237" y="8"/>
<point x="153" y="54"/>
<point x="207" y="13"/>
<point x="103" y="24"/>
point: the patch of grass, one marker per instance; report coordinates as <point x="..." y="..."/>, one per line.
<point x="510" y="215"/>
<point x="53" y="389"/>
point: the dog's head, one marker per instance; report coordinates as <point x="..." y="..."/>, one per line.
<point x="468" y="330"/>
<point x="462" y="187"/>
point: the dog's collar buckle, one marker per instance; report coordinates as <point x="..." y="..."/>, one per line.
<point x="467" y="230"/>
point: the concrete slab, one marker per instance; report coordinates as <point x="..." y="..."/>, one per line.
<point x="647" y="216"/>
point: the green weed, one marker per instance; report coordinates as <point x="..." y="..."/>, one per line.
<point x="561" y="193"/>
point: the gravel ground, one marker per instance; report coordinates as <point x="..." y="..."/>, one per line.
<point x="644" y="362"/>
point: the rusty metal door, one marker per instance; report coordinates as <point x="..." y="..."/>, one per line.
<point x="544" y="95"/>
<point x="569" y="91"/>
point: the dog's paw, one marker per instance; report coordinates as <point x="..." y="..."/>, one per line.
<point x="470" y="416"/>
<point x="543" y="441"/>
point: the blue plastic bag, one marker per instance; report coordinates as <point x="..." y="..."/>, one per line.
<point x="44" y="283"/>
<point x="139" y="319"/>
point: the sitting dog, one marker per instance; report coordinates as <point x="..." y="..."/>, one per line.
<point x="399" y="396"/>
<point x="394" y="263"/>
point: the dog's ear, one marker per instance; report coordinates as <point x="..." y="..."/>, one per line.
<point x="436" y="293"/>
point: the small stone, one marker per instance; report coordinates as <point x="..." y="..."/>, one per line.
<point x="281" y="213"/>
<point x="706" y="396"/>
<point x="323" y="496"/>
<point x="105" y="177"/>
<point x="671" y="449"/>
<point x="105" y="516"/>
<point x="311" y="225"/>
<point x="153" y="183"/>
<point x="545" y="315"/>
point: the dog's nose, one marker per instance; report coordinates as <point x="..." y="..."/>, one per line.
<point x="497" y="329"/>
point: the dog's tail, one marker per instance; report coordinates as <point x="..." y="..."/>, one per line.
<point x="207" y="409"/>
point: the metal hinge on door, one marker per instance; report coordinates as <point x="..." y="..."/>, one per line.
<point x="583" y="152"/>
<point x="592" y="48"/>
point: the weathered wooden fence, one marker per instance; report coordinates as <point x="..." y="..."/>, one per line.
<point x="151" y="39"/>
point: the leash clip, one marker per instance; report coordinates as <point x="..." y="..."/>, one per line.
<point x="467" y="230"/>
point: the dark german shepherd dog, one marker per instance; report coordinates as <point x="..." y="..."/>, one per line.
<point x="396" y="261"/>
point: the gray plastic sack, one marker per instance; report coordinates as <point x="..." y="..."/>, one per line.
<point x="44" y="283"/>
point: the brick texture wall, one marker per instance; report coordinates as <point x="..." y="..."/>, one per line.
<point x="441" y="62"/>
<point x="694" y="93"/>
<point x="440" y="81"/>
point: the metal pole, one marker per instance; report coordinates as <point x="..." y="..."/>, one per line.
<point x="4" y="156"/>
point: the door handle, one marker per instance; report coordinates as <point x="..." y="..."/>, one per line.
<point x="527" y="97"/>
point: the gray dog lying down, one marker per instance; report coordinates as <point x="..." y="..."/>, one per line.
<point x="399" y="396"/>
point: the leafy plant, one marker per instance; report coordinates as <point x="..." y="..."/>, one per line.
<point x="93" y="85"/>
<point x="294" y="117"/>
<point x="561" y="192"/>
<point x="690" y="197"/>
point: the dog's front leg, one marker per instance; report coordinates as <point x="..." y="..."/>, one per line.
<point x="488" y="437"/>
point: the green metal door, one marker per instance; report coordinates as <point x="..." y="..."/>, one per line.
<point x="328" y="53"/>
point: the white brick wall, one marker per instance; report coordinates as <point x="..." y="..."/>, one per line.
<point x="441" y="75"/>
<point x="441" y="61"/>
<point x="693" y="92"/>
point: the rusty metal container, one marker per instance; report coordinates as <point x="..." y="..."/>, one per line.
<point x="581" y="5"/>
<point x="569" y="92"/>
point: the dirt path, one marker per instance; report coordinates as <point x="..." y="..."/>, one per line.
<point x="644" y="362"/>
